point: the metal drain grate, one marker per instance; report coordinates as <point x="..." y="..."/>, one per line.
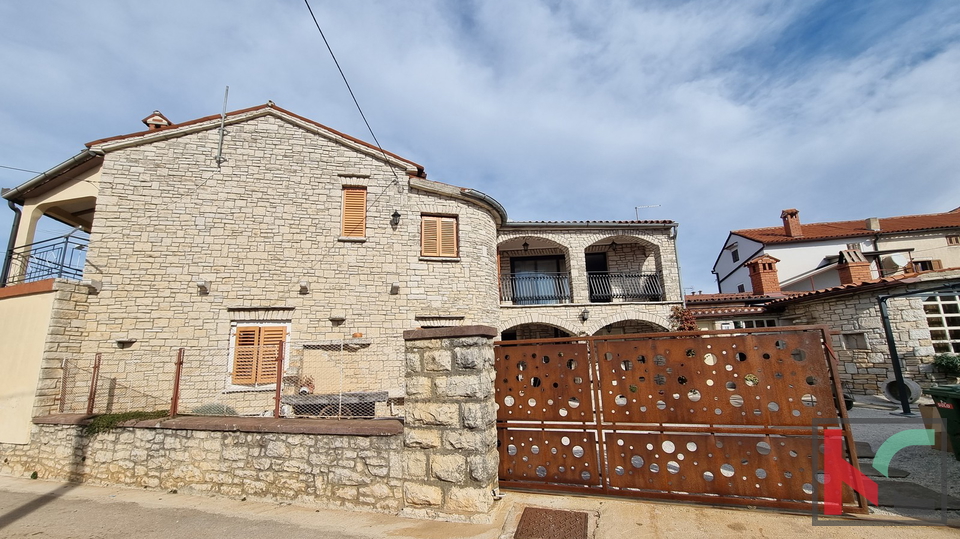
<point x="551" y="524"/>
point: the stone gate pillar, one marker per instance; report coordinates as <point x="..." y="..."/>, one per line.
<point x="450" y="436"/>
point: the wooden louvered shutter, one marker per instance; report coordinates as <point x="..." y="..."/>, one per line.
<point x="430" y="236"/>
<point x="246" y="356"/>
<point x="271" y="338"/>
<point x="448" y="236"/>
<point x="354" y="223"/>
<point x="936" y="264"/>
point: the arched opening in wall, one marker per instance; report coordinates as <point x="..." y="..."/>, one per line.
<point x="629" y="327"/>
<point x="624" y="269"/>
<point x="533" y="331"/>
<point x="533" y="271"/>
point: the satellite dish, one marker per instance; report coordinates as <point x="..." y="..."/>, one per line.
<point x="896" y="260"/>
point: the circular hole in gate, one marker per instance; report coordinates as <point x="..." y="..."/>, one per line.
<point x="535" y="382"/>
<point x="565" y="440"/>
<point x="781" y="345"/>
<point x="563" y="412"/>
<point x="809" y="400"/>
<point x="626" y="365"/>
<point x="763" y="448"/>
<point x="546" y="359"/>
<point x="659" y="360"/>
<point x="793" y="453"/>
<point x="807" y="488"/>
<point x="577" y="451"/>
<point x="619" y="470"/>
<point x="519" y="377"/>
<point x="709" y="359"/>
<point x="620" y="400"/>
<point x="708" y="476"/>
<point x="562" y="469"/>
<point x="812" y="380"/>
<point x="532" y="402"/>
<point x="691" y="446"/>
<point x="661" y="405"/>
<point x="608" y="356"/>
<point x="731" y="386"/>
<point x="766" y="356"/>
<point x="760" y="473"/>
<point x="717" y="411"/>
<point x="636" y="461"/>
<point x="728" y="367"/>
<point x="788" y="475"/>
<point x="709" y="382"/>
<point x="751" y="380"/>
<point x="634" y="388"/>
<point x="727" y="470"/>
<point x="649" y="447"/>
<point x="522" y="365"/>
<point x="690" y="352"/>
<point x="673" y="467"/>
<point x="681" y="380"/>
<point x="577" y="380"/>
<point x="796" y="413"/>
<point x="553" y="450"/>
<point x="693" y="395"/>
<point x="741" y="356"/>
<point x="585" y="475"/>
<point x="620" y="442"/>
<point x="654" y="467"/>
<point x="511" y="450"/>
<point x="535" y="450"/>
<point x="571" y="364"/>
<point x="798" y="355"/>
<point x="668" y="446"/>
<point x="541" y="471"/>
<point x="736" y="400"/>
<point x="773" y="407"/>
<point x="508" y="400"/>
<point x="573" y="402"/>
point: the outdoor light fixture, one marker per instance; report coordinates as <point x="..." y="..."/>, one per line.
<point x="395" y="218"/>
<point x="394" y="289"/>
<point x="526" y="246"/>
<point x="304" y="288"/>
<point x="613" y="246"/>
<point x="203" y="287"/>
<point x="584" y="315"/>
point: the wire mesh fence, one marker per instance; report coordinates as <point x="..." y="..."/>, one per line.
<point x="341" y="379"/>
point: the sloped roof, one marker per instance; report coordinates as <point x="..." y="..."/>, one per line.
<point x="849" y="229"/>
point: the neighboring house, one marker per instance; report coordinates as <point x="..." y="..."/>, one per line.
<point x="809" y="255"/>
<point x="229" y="239"/>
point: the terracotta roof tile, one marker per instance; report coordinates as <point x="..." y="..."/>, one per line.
<point x="846" y="229"/>
<point x="649" y="222"/>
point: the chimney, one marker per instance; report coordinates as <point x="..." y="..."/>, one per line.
<point x="791" y="223"/>
<point x="873" y="223"/>
<point x="763" y="275"/>
<point x="853" y="267"/>
<point x="156" y="121"/>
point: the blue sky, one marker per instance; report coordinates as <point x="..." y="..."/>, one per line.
<point x="721" y="113"/>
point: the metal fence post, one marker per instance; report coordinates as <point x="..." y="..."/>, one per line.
<point x="175" y="400"/>
<point x="91" y="399"/>
<point x="276" y="404"/>
<point x="63" y="384"/>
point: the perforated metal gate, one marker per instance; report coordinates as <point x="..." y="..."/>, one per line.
<point x="712" y="417"/>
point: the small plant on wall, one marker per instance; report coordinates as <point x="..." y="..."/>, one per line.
<point x="948" y="363"/>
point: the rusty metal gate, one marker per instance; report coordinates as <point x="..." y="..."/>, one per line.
<point x="711" y="417"/>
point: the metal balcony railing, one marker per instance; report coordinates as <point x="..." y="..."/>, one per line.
<point x="631" y="286"/>
<point x="61" y="257"/>
<point x="535" y="288"/>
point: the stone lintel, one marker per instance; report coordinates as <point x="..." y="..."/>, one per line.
<point x="450" y="333"/>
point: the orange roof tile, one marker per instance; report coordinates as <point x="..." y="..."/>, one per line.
<point x="846" y="229"/>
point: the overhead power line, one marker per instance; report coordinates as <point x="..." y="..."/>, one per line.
<point x="20" y="169"/>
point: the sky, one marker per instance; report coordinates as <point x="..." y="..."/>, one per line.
<point x="716" y="115"/>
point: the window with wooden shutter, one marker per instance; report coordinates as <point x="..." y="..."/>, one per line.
<point x="354" y="223"/>
<point x="256" y="349"/>
<point x="438" y="236"/>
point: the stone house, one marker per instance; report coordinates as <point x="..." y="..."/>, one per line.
<point x="261" y="236"/>
<point x="808" y="254"/>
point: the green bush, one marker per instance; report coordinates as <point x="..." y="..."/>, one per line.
<point x="948" y="363"/>
<point x="106" y="422"/>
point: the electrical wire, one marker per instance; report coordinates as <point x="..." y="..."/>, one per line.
<point x="20" y="169"/>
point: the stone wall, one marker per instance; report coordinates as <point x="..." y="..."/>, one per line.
<point x="64" y="334"/>
<point x="450" y="432"/>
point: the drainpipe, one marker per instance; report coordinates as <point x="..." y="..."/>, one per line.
<point x="676" y="255"/>
<point x="8" y="258"/>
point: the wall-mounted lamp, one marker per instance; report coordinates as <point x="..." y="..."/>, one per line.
<point x="395" y="218"/>
<point x="526" y="246"/>
<point x="203" y="287"/>
<point x="584" y="315"/>
<point x="125" y="343"/>
<point x="394" y="289"/>
<point x="613" y="246"/>
<point x="93" y="286"/>
<point x="304" y="288"/>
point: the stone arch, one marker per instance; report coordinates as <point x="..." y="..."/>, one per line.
<point x="536" y="318"/>
<point x="625" y="315"/>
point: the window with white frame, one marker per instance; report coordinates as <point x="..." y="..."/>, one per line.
<point x="255" y="349"/>
<point x="943" y="319"/>
<point x="753" y="324"/>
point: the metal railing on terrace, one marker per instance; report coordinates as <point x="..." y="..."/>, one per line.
<point x="629" y="286"/>
<point x="535" y="288"/>
<point x="61" y="257"/>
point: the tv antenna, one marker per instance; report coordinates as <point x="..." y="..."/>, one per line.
<point x="223" y="120"/>
<point x="637" y="209"/>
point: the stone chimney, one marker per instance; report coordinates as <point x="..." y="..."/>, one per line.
<point x="156" y="121"/>
<point x="763" y="275"/>
<point x="791" y="223"/>
<point x="873" y="223"/>
<point x="853" y="267"/>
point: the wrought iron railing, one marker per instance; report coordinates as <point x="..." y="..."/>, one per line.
<point x="535" y="288"/>
<point x="630" y="286"/>
<point x="61" y="257"/>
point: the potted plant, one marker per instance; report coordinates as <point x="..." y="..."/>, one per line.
<point x="948" y="363"/>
